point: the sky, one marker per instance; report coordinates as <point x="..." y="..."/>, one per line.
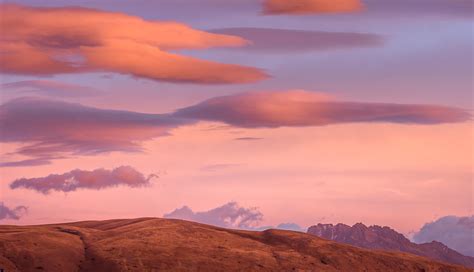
<point x="261" y="112"/>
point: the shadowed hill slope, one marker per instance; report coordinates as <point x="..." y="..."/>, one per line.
<point x="151" y="244"/>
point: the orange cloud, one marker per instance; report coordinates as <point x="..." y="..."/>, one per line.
<point x="71" y="40"/>
<point x="300" y="7"/>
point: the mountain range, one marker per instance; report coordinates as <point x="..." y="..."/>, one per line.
<point x="385" y="238"/>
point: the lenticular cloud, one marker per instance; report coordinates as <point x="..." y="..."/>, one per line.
<point x="49" y="41"/>
<point x="303" y="108"/>
<point x="50" y="130"/>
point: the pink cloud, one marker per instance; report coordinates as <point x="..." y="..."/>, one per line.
<point x="301" y="7"/>
<point x="50" y="130"/>
<point x="303" y="108"/>
<point x="71" y="40"/>
<point x="80" y="179"/>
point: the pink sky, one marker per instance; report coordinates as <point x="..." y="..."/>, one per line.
<point x="349" y="123"/>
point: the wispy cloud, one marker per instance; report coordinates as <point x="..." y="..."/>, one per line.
<point x="81" y="179"/>
<point x="72" y="40"/>
<point x="248" y="139"/>
<point x="218" y="167"/>
<point x="417" y="8"/>
<point x="272" y="40"/>
<point x="47" y="88"/>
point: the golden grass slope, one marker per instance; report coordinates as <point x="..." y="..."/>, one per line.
<point x="151" y="244"/>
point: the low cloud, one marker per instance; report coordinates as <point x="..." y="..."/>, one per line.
<point x="270" y="40"/>
<point x="47" y="88"/>
<point x="284" y="226"/>
<point x="290" y="226"/>
<point x="230" y="215"/>
<point x="48" y="41"/>
<point x="304" y="7"/>
<point x="455" y="232"/>
<point x="81" y="179"/>
<point x="12" y="213"/>
<point x="303" y="108"/>
<point x="52" y="129"/>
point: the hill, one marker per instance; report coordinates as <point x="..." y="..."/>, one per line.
<point x="151" y="244"/>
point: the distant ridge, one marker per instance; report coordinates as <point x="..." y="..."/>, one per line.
<point x="385" y="238"/>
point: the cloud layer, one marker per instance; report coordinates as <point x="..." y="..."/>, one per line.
<point x="47" y="88"/>
<point x="53" y="129"/>
<point x="271" y="40"/>
<point x="49" y="129"/>
<point x="301" y="7"/>
<point x="455" y="232"/>
<point x="451" y="8"/>
<point x="229" y="215"/>
<point x="70" y="40"/>
<point x="12" y="213"/>
<point x="445" y="8"/>
<point x="80" y="179"/>
<point x="302" y="108"/>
